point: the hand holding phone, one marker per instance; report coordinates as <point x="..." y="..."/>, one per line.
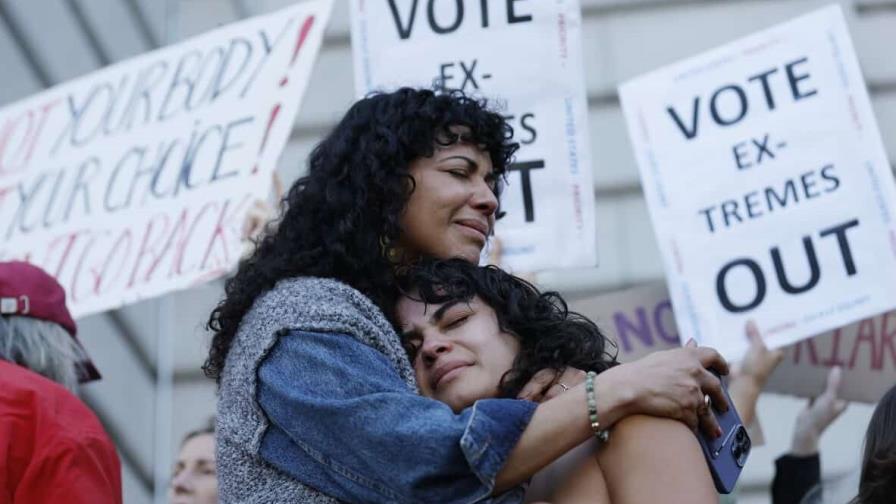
<point x="726" y="454"/>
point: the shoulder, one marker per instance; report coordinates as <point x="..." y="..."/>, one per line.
<point x="323" y="305"/>
<point x="32" y="391"/>
<point x="315" y="304"/>
<point x="58" y="419"/>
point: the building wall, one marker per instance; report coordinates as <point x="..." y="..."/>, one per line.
<point x="43" y="43"/>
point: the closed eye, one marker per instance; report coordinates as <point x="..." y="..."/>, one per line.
<point x="492" y="180"/>
<point x="454" y="324"/>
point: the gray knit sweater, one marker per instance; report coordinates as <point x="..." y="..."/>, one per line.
<point x="307" y="304"/>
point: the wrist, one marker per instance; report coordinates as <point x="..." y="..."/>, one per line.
<point x="614" y="402"/>
<point x="749" y="383"/>
<point x="804" y="443"/>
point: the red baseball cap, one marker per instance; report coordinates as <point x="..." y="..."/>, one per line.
<point x="28" y="291"/>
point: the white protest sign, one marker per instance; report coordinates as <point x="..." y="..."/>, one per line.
<point x="134" y="180"/>
<point x="640" y="320"/>
<point x="768" y="186"/>
<point x="527" y="54"/>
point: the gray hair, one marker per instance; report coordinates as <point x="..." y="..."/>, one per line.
<point x="43" y="347"/>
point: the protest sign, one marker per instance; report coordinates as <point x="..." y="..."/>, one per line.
<point x="526" y="54"/>
<point x="640" y="320"/>
<point x="133" y="180"/>
<point x="768" y="186"/>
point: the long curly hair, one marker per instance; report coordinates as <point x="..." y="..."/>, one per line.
<point x="877" y="483"/>
<point x="334" y="220"/>
<point x="550" y="336"/>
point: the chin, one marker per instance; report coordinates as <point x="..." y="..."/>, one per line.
<point x="469" y="253"/>
<point x="458" y="247"/>
<point x="457" y="405"/>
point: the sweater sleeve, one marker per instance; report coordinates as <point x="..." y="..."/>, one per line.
<point x="344" y="422"/>
<point x="794" y="477"/>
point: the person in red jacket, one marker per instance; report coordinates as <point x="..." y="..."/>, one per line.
<point x="52" y="447"/>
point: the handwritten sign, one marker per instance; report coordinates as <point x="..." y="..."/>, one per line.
<point x="526" y="53"/>
<point x="641" y="321"/>
<point x="768" y="185"/>
<point x="133" y="181"/>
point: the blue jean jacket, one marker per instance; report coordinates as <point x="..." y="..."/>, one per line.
<point x="344" y="422"/>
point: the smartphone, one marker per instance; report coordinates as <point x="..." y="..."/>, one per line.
<point x="727" y="454"/>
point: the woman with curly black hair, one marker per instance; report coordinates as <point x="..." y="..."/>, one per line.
<point x="538" y="330"/>
<point x="317" y="399"/>
<point x="473" y="333"/>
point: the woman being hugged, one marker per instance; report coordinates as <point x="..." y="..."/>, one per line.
<point x="317" y="398"/>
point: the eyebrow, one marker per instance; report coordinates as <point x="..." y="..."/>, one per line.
<point x="469" y="160"/>
<point x="435" y="318"/>
<point x="202" y="463"/>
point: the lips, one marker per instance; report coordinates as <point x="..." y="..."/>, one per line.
<point x="442" y="370"/>
<point x="476" y="225"/>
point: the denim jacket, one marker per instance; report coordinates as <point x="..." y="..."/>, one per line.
<point x="353" y="430"/>
<point x="335" y="413"/>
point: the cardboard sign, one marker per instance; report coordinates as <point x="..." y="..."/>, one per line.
<point x="768" y="186"/>
<point x="527" y="55"/>
<point x="641" y="321"/>
<point x="133" y="181"/>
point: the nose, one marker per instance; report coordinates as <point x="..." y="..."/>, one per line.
<point x="180" y="483"/>
<point x="484" y="199"/>
<point x="434" y="347"/>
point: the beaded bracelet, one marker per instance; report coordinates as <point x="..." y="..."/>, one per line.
<point x="599" y="433"/>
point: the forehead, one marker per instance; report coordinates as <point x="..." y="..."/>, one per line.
<point x="411" y="311"/>
<point x="198" y="447"/>
<point x="459" y="138"/>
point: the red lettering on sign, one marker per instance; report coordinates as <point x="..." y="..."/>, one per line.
<point x="866" y="335"/>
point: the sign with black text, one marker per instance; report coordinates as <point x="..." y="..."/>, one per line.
<point x="527" y="54"/>
<point x="640" y="320"/>
<point x="769" y="189"/>
<point x="134" y="180"/>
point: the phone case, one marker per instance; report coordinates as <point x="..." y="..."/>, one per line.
<point x="727" y="454"/>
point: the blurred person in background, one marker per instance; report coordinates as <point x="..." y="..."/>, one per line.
<point x="53" y="449"/>
<point x="797" y="476"/>
<point x="195" y="476"/>
<point x="749" y="376"/>
<point x="798" y="472"/>
<point x="877" y="484"/>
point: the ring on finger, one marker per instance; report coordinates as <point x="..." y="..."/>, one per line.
<point x="707" y="403"/>
<point x="564" y="386"/>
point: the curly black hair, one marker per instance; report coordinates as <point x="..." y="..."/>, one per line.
<point x="877" y="483"/>
<point x="334" y="219"/>
<point x="550" y="336"/>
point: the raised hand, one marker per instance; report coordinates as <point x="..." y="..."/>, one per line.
<point x="818" y="415"/>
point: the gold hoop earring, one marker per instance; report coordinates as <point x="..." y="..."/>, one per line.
<point x="388" y="251"/>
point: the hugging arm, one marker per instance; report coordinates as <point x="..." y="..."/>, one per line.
<point x="653" y="454"/>
<point x="344" y="422"/>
